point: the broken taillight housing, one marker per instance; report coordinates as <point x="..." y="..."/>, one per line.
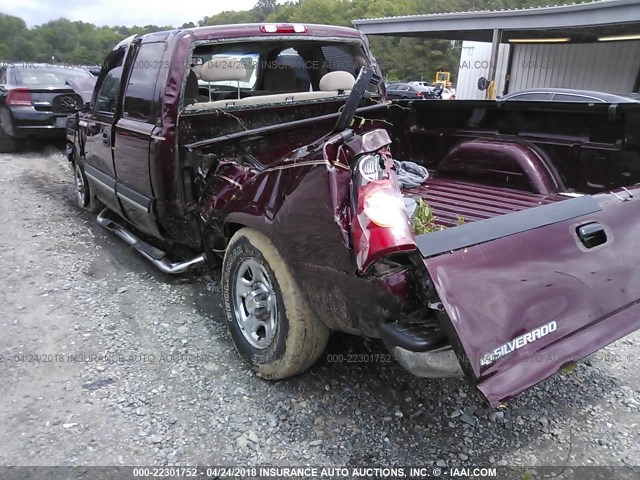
<point x="18" y="97"/>
<point x="380" y="226"/>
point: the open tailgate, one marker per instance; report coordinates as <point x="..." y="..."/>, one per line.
<point x="529" y="292"/>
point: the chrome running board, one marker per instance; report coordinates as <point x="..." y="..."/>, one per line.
<point x="155" y="256"/>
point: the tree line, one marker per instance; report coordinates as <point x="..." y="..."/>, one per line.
<point x="81" y="43"/>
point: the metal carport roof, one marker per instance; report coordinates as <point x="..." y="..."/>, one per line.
<point x="581" y="22"/>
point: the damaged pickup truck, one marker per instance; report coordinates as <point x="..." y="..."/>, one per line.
<point x="272" y="148"/>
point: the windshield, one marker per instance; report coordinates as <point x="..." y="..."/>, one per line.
<point x="47" y="75"/>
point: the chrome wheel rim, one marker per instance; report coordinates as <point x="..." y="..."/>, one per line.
<point x="254" y="303"/>
<point x="80" y="187"/>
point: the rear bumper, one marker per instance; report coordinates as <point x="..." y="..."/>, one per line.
<point x="25" y="122"/>
<point x="531" y="369"/>
<point x="440" y="363"/>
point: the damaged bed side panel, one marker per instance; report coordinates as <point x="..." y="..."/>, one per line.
<point x="301" y="204"/>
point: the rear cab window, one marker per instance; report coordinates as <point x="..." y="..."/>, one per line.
<point x="268" y="72"/>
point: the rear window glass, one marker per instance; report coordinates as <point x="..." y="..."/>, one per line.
<point x="46" y="75"/>
<point x="274" y="66"/>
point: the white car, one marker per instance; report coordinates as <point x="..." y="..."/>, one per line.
<point x="447" y="93"/>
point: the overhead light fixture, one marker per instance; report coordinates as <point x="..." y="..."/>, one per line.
<point x="619" y="38"/>
<point x="540" y="40"/>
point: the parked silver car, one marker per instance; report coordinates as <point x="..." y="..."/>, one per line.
<point x="570" y="95"/>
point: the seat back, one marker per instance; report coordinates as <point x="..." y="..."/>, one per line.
<point x="280" y="79"/>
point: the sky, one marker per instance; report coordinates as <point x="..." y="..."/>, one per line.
<point x="120" y="12"/>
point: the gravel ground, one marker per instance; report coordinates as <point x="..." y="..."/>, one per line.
<point x="106" y="361"/>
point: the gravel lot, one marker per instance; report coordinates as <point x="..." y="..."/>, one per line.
<point x="160" y="382"/>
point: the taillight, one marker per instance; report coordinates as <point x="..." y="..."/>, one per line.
<point x="380" y="226"/>
<point x="283" y="28"/>
<point x="19" y="97"/>
<point x="382" y="205"/>
<point x="420" y="94"/>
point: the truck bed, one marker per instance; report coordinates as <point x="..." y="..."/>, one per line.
<point x="452" y="198"/>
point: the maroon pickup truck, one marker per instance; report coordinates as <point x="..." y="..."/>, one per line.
<point x="273" y="148"/>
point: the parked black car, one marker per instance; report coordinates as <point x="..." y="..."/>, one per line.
<point x="406" y="91"/>
<point x="570" y="95"/>
<point x="35" y="101"/>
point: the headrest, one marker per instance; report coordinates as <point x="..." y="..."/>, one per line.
<point x="337" y="81"/>
<point x="220" y="69"/>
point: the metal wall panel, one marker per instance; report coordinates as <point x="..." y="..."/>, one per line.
<point x="474" y="63"/>
<point x="605" y="66"/>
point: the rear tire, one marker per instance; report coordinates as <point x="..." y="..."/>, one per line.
<point x="8" y="143"/>
<point x="271" y="324"/>
<point x="84" y="196"/>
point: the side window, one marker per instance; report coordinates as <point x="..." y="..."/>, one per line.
<point x="562" y="97"/>
<point x="531" y="96"/>
<point x="139" y="96"/>
<point x="107" y="98"/>
<point x="105" y="93"/>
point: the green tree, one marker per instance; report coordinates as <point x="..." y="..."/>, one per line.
<point x="13" y="31"/>
<point x="401" y="57"/>
<point x="264" y="8"/>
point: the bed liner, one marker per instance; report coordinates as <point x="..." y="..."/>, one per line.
<point x="472" y="201"/>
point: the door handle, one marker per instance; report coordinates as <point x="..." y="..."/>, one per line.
<point x="106" y="139"/>
<point x="592" y="234"/>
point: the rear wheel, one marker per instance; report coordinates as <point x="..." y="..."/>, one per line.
<point x="271" y="324"/>
<point x="7" y="142"/>
<point x="84" y="196"/>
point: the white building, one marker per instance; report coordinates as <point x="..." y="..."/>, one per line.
<point x="593" y="46"/>
<point x="605" y="66"/>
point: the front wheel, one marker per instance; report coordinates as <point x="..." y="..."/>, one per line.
<point x="271" y="324"/>
<point x="84" y="195"/>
